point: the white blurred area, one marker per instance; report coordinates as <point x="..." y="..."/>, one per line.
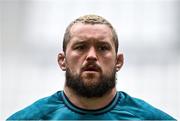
<point x="32" y="33"/>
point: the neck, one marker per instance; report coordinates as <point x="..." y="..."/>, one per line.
<point x="90" y="103"/>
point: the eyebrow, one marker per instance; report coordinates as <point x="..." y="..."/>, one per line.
<point x="103" y="42"/>
<point x="79" y="42"/>
<point x="98" y="41"/>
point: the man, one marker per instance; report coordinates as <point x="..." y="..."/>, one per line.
<point x="90" y="59"/>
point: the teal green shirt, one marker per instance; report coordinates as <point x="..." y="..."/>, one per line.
<point x="58" y="107"/>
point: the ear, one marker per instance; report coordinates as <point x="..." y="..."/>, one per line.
<point x="119" y="61"/>
<point x="62" y="61"/>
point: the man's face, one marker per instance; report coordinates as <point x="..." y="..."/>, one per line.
<point x="90" y="56"/>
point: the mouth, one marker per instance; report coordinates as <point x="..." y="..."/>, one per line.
<point x="91" y="69"/>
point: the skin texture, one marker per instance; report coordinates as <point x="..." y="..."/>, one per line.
<point x="90" y="44"/>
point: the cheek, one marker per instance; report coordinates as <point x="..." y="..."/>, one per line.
<point x="110" y="58"/>
<point x="74" y="62"/>
<point x="108" y="63"/>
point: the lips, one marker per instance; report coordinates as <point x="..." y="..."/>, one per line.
<point x="92" y="68"/>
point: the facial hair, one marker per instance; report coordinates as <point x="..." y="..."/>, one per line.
<point x="103" y="85"/>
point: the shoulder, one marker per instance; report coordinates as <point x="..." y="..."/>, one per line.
<point x="40" y="108"/>
<point x="140" y="108"/>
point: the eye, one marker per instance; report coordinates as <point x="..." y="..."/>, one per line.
<point x="79" y="47"/>
<point x="103" y="48"/>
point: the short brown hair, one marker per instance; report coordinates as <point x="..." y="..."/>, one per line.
<point x="89" y="19"/>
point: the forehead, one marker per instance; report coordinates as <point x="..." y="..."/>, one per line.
<point x="91" y="31"/>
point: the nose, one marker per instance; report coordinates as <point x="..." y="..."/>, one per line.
<point x="91" y="55"/>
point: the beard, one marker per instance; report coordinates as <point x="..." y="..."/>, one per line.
<point x="78" y="85"/>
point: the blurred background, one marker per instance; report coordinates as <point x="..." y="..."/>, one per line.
<point x="32" y="33"/>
